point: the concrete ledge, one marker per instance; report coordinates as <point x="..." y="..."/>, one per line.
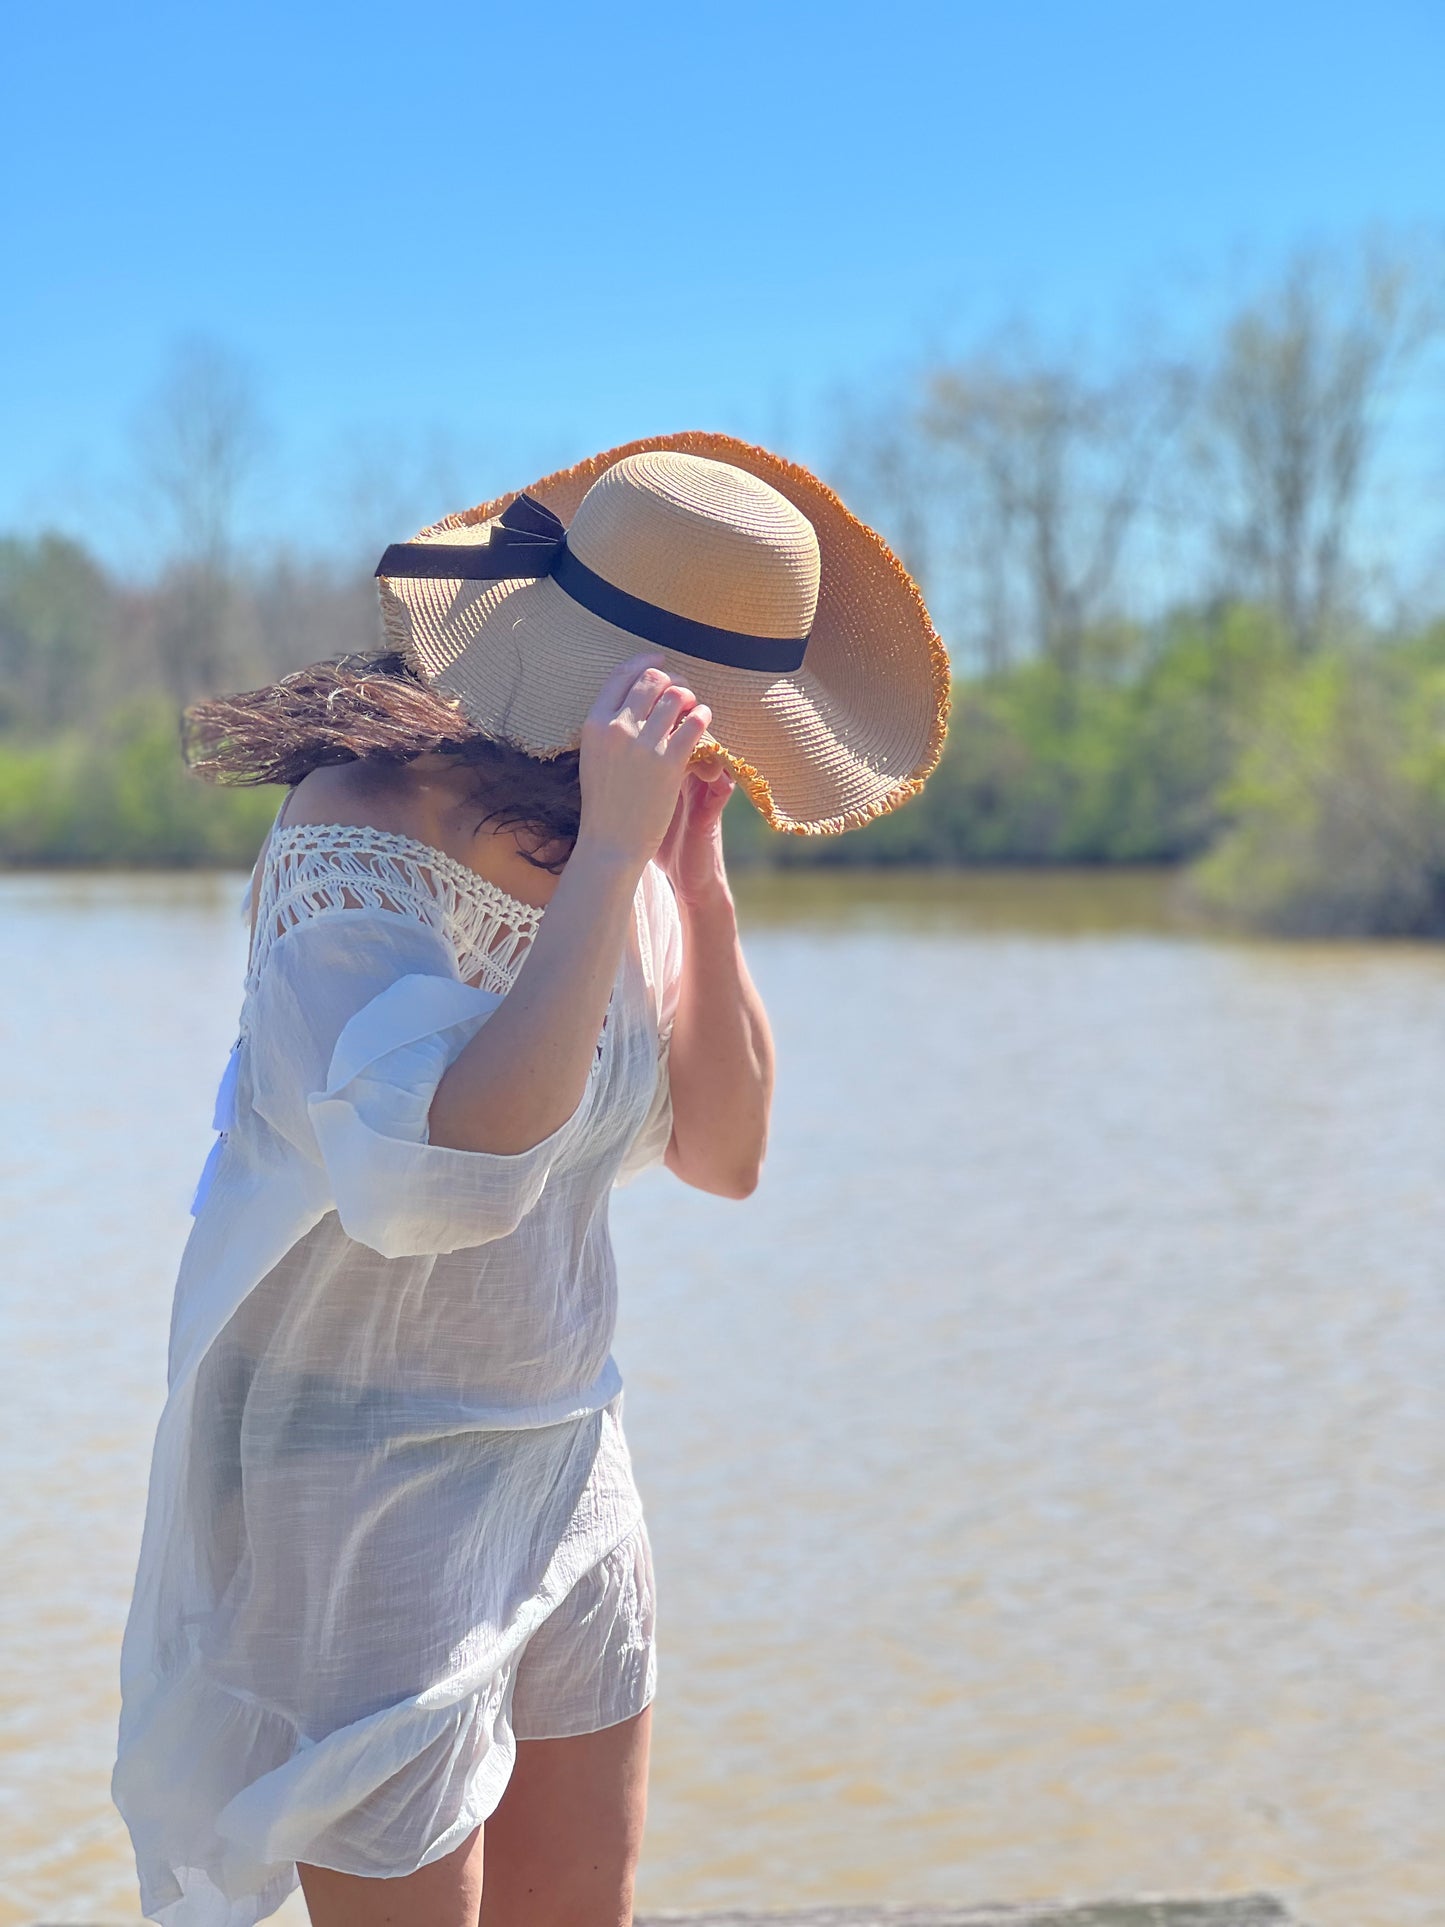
<point x="1243" y="1910"/>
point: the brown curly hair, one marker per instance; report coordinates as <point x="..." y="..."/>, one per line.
<point x="371" y="705"/>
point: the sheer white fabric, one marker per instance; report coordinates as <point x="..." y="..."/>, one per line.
<point x="391" y="1443"/>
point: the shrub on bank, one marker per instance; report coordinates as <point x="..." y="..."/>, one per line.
<point x="1336" y="805"/>
<point x="123" y="796"/>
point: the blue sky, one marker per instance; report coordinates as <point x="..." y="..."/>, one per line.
<point x="472" y="243"/>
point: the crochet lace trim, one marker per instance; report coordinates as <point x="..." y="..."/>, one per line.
<point x="313" y="869"/>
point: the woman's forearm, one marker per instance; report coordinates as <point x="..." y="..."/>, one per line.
<point x="524" y="1072"/>
<point x="721" y="1058"/>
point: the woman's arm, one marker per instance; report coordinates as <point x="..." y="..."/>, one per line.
<point x="524" y="1073"/>
<point x="721" y="1057"/>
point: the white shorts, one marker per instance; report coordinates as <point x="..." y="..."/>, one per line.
<point x="591" y="1664"/>
<point x="593" y="1661"/>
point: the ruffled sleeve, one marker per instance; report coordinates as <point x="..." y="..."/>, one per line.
<point x="662" y="964"/>
<point x="355" y="1019"/>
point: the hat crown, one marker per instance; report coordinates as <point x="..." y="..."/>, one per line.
<point x="701" y="539"/>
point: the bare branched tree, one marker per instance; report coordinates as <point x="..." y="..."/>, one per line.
<point x="197" y="440"/>
<point x="887" y="472"/>
<point x="1292" y="415"/>
<point x="1051" y="472"/>
<point x="384" y="485"/>
<point x="199" y="435"/>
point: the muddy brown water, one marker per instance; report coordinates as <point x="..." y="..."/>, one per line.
<point x="1044" y="1467"/>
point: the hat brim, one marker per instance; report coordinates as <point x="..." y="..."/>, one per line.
<point x="849" y="736"/>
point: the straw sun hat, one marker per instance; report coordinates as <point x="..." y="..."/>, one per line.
<point x="793" y="621"/>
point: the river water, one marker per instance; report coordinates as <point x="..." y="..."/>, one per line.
<point x="1044" y="1467"/>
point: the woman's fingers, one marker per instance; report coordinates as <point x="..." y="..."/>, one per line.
<point x="642" y="690"/>
<point x="670" y="704"/>
<point x="634" y="761"/>
<point x="688" y="733"/>
<point x="618" y="686"/>
<point x="710" y="788"/>
<point x="638" y="704"/>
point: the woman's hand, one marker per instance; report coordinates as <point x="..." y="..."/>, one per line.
<point x="635" y="744"/>
<point x="525" y="1072"/>
<point x="692" y="851"/>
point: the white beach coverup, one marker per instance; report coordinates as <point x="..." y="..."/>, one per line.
<point x="391" y="1452"/>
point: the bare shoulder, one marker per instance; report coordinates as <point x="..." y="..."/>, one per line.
<point x="426" y="800"/>
<point x="361" y="796"/>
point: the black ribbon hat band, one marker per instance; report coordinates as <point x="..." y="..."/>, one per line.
<point x="529" y="541"/>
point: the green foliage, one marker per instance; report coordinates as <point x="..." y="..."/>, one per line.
<point x="1337" y="803"/>
<point x="55" y="612"/>
<point x="1121" y="766"/>
<point x="1307" y="796"/>
<point x="123" y="796"/>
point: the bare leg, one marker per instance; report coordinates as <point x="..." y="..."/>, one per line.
<point x="562" y="1846"/>
<point x="448" y="1893"/>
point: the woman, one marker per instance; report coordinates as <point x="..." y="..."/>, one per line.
<point x="393" y="1616"/>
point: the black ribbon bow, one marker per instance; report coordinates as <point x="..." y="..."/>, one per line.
<point x="524" y="543"/>
<point x="528" y="541"/>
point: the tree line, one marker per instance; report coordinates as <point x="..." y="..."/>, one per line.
<point x="1194" y="617"/>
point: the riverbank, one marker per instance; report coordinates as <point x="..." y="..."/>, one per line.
<point x="1294" y="795"/>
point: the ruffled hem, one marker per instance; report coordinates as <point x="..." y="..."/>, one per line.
<point x="223" y="1793"/>
<point x="433" y="1774"/>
